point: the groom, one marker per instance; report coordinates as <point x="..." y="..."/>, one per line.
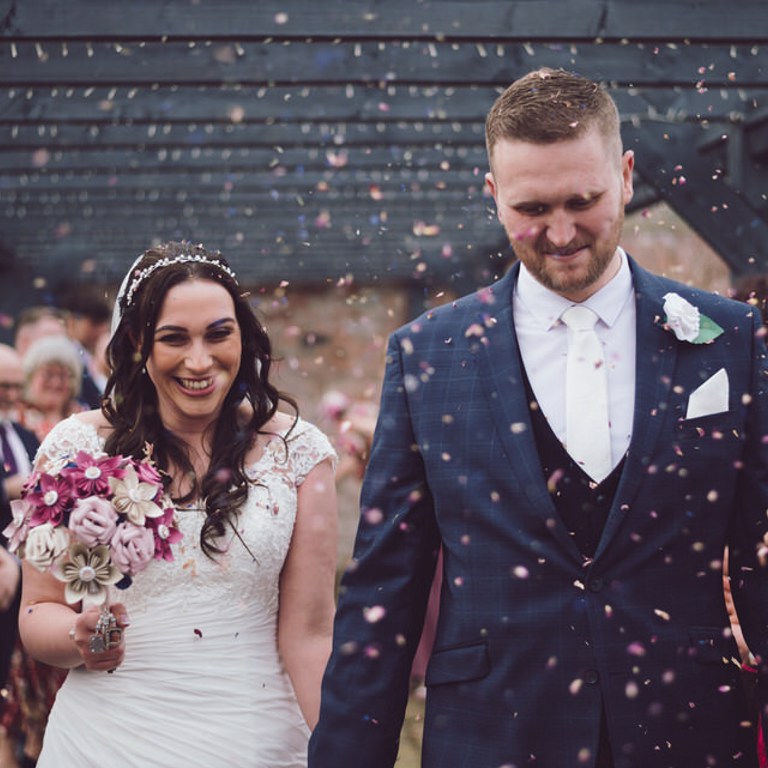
<point x="582" y="619"/>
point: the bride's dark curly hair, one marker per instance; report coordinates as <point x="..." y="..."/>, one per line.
<point x="131" y="404"/>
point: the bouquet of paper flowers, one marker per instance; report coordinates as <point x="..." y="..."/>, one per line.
<point x="96" y="522"/>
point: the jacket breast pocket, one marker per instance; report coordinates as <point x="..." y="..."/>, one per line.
<point x="460" y="664"/>
<point x="714" y="426"/>
<point x="718" y="435"/>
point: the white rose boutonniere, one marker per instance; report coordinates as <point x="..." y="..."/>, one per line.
<point x="687" y="323"/>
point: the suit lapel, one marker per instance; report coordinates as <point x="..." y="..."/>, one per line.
<point x="500" y="372"/>
<point x="656" y="357"/>
<point x="501" y="375"/>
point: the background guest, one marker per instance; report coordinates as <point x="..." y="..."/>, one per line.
<point x="88" y="317"/>
<point x="53" y="373"/>
<point x="17" y="444"/>
<point x="17" y="449"/>
<point x="35" y="322"/>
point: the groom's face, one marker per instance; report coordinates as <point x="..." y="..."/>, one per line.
<point x="562" y="206"/>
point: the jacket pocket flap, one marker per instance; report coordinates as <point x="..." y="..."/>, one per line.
<point x="458" y="665"/>
<point x="716" y="425"/>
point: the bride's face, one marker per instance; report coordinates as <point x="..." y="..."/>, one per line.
<point x="196" y="352"/>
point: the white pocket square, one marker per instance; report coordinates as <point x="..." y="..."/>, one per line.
<point x="710" y="397"/>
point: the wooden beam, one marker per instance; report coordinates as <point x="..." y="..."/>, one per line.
<point x="29" y="136"/>
<point x="323" y="257"/>
<point x="397" y="19"/>
<point x="342" y="183"/>
<point x="311" y="105"/>
<point x="269" y="64"/>
<point x="232" y="105"/>
<point x="257" y="160"/>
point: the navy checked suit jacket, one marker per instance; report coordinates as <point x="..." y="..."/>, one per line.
<point x="533" y="641"/>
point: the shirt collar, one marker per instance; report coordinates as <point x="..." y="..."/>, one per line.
<point x="546" y="306"/>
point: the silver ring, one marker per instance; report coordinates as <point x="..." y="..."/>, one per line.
<point x="96" y="643"/>
<point x="106" y="633"/>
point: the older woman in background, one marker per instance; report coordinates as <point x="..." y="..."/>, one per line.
<point x="53" y="372"/>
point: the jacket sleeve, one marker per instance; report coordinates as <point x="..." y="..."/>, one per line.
<point x="748" y="544"/>
<point x="383" y="593"/>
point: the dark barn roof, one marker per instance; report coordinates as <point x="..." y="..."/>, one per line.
<point x="313" y="140"/>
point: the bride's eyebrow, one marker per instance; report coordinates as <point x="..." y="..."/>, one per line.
<point x="183" y="329"/>
<point x="222" y="321"/>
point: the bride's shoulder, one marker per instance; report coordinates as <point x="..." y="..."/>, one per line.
<point x="94" y="418"/>
<point x="84" y="431"/>
<point x="93" y="422"/>
<point x="280" y="423"/>
<point x="276" y="429"/>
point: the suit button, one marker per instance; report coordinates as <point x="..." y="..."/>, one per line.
<point x="596" y="585"/>
<point x="591" y="677"/>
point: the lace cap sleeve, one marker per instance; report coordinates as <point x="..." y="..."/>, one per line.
<point x="64" y="441"/>
<point x="308" y="447"/>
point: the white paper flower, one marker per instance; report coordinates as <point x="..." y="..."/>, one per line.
<point x="44" y="544"/>
<point x="687" y="323"/>
<point x="682" y="317"/>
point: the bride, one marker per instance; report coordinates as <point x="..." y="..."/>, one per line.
<point x="216" y="656"/>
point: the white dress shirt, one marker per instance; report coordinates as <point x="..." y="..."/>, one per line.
<point x="543" y="340"/>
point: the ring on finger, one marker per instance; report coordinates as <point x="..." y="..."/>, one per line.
<point x="106" y="633"/>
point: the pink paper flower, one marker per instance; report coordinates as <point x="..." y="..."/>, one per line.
<point x="51" y="497"/>
<point x="90" y="476"/>
<point x="18" y="529"/>
<point x="147" y="473"/>
<point x="93" y="521"/>
<point x="133" y="547"/>
<point x="32" y="480"/>
<point x="165" y="532"/>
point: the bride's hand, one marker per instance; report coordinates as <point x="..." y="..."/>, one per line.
<point x="102" y="650"/>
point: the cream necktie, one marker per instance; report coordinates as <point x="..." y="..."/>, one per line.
<point x="588" y="436"/>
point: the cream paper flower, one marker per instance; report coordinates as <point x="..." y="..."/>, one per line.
<point x="87" y="573"/>
<point x="133" y="498"/>
<point x="44" y="544"/>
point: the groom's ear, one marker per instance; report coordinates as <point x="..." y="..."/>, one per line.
<point x="627" y="166"/>
<point x="490" y="183"/>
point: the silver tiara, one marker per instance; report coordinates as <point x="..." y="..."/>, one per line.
<point x="182" y="258"/>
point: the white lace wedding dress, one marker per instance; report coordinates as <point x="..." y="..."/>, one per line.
<point x="201" y="684"/>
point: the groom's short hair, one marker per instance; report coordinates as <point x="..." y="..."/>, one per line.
<point x="550" y="105"/>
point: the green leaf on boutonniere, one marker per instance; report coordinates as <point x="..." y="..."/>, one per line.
<point x="709" y="330"/>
